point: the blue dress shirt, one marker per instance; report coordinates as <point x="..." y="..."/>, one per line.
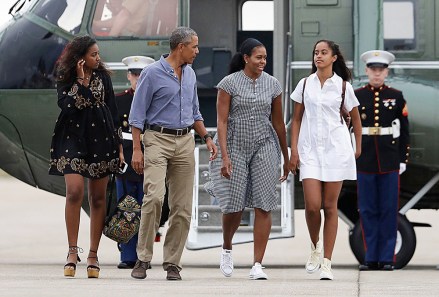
<point x="161" y="99"/>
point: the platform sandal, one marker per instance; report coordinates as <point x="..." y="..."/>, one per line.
<point x="93" y="270"/>
<point x="70" y="267"/>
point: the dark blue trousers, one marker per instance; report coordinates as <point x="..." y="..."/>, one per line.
<point x="378" y="201"/>
<point x="135" y="189"/>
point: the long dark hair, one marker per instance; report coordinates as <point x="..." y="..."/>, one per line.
<point x="238" y="63"/>
<point x="65" y="69"/>
<point x="339" y="66"/>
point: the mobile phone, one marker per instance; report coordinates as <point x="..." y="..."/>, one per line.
<point x="123" y="167"/>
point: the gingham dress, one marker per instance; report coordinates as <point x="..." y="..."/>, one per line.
<point x="252" y="145"/>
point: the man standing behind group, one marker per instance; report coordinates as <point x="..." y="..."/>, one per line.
<point x="385" y="145"/>
<point x="166" y="106"/>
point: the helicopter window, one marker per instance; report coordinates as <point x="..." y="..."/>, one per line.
<point x="21" y="6"/>
<point x="251" y="16"/>
<point x="135" y="18"/>
<point x="399" y="25"/>
<point x="67" y="14"/>
<point x="29" y="53"/>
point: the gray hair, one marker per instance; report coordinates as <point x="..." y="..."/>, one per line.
<point x="181" y="35"/>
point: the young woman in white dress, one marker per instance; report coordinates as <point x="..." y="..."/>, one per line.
<point x="321" y="147"/>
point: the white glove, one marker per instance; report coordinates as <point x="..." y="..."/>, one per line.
<point x="402" y="168"/>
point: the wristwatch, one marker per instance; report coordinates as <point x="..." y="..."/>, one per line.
<point x="208" y="135"/>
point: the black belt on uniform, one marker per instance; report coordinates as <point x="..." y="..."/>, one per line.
<point x="177" y="132"/>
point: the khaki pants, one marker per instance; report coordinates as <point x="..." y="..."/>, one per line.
<point x="167" y="157"/>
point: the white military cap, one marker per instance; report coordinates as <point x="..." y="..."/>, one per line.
<point x="137" y="63"/>
<point x="377" y="58"/>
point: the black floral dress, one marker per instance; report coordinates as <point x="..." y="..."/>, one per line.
<point x="87" y="133"/>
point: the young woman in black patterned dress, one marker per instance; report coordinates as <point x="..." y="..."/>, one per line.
<point x="87" y="142"/>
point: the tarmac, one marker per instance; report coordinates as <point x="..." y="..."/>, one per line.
<point x="33" y="247"/>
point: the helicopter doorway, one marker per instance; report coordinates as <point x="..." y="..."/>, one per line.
<point x="221" y="29"/>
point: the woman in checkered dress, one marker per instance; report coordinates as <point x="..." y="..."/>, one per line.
<point x="251" y="136"/>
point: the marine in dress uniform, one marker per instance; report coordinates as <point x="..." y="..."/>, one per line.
<point x="385" y="151"/>
<point x="133" y="181"/>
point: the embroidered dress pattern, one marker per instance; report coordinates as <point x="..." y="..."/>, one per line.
<point x="87" y="132"/>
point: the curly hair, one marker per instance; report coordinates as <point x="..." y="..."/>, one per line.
<point x="339" y="66"/>
<point x="65" y="69"/>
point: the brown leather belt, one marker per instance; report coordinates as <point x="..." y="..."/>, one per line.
<point x="176" y="132"/>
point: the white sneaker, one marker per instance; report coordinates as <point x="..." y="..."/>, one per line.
<point x="226" y="262"/>
<point x="326" y="271"/>
<point x="257" y="273"/>
<point x="313" y="263"/>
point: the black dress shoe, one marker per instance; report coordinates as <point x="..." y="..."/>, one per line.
<point x="387" y="267"/>
<point x="126" y="265"/>
<point x="369" y="266"/>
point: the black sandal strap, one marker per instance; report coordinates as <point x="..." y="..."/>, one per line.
<point x="70" y="265"/>
<point x="74" y="250"/>
<point x="95" y="257"/>
<point x="94" y="267"/>
<point x="91" y="266"/>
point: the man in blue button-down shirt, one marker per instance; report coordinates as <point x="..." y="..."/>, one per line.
<point x="166" y="105"/>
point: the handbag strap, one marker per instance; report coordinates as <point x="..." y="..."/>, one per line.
<point x="124" y="185"/>
<point x="303" y="92"/>
<point x="343" y="92"/>
<point x="110" y="196"/>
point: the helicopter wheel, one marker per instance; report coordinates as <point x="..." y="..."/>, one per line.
<point x="405" y="242"/>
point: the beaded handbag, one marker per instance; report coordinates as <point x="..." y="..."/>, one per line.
<point x="123" y="223"/>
